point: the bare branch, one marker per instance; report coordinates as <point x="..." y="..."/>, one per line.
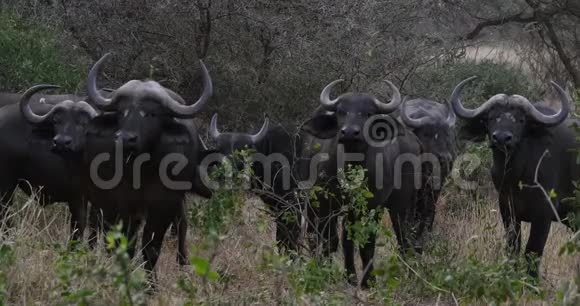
<point x="566" y="61"/>
<point x="537" y="185"/>
<point x="497" y="22"/>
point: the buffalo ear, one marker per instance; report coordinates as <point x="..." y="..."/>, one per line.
<point x="321" y="125"/>
<point x="472" y="130"/>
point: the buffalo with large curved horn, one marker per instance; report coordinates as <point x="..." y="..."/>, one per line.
<point x="434" y="124"/>
<point x="515" y="100"/>
<point x="274" y="170"/>
<point x="384" y="108"/>
<point x="174" y="105"/>
<point x="34" y="118"/>
<point x="215" y="134"/>
<point x="425" y="120"/>
<point x="534" y="150"/>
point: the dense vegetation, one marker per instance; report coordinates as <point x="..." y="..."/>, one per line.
<point x="262" y="61"/>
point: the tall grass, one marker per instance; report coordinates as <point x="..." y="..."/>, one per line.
<point x="464" y="263"/>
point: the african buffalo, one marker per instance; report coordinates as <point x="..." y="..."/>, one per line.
<point x="27" y="160"/>
<point x="434" y="124"/>
<point x="349" y="123"/>
<point x="154" y="132"/>
<point x="534" y="158"/>
<point x="273" y="167"/>
<point x="126" y="182"/>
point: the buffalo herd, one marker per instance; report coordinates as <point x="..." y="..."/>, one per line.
<point x="131" y="155"/>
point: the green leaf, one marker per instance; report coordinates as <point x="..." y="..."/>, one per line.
<point x="212" y="275"/>
<point x="369" y="195"/>
<point x="553" y="194"/>
<point x="201" y="265"/>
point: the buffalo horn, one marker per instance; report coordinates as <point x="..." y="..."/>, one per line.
<point x="25" y="109"/>
<point x="213" y="130"/>
<point x="256" y="138"/>
<point x="94" y="94"/>
<point x="187" y="111"/>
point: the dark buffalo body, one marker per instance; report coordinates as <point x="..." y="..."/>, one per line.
<point x="273" y="167"/>
<point x="160" y="141"/>
<point x="27" y="159"/>
<point x="534" y="151"/>
<point x="135" y="156"/>
<point x="434" y="124"/>
<point x="341" y="125"/>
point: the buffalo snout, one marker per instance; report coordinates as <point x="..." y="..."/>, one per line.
<point x="61" y="142"/>
<point x="350" y="133"/>
<point x="502" y="138"/>
<point x="127" y="139"/>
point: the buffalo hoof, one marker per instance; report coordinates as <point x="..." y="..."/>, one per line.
<point x="366" y="283"/>
<point x="182" y="260"/>
<point x="352" y="280"/>
<point x="173" y="230"/>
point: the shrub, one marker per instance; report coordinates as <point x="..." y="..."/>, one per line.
<point x="31" y="55"/>
<point x="438" y="81"/>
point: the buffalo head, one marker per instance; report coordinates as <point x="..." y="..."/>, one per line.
<point x="228" y="143"/>
<point x="434" y="125"/>
<point x="347" y="116"/>
<point x="507" y="119"/>
<point x="70" y="120"/>
<point x="144" y="108"/>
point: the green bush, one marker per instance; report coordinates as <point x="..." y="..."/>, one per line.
<point x="437" y="82"/>
<point x="30" y="54"/>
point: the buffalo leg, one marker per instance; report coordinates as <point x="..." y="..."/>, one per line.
<point x="287" y="224"/>
<point x="78" y="219"/>
<point x="158" y="220"/>
<point x="328" y="228"/>
<point x="535" y="248"/>
<point x="513" y="227"/>
<point x="6" y="199"/>
<point x="174" y="230"/>
<point x="425" y="210"/>
<point x="348" y="250"/>
<point x="95" y="225"/>
<point x="367" y="253"/>
<point x="400" y="227"/>
<point x="322" y="227"/>
<point x="131" y="232"/>
<point x="287" y="232"/>
<point x="180" y="223"/>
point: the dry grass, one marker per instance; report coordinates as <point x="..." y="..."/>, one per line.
<point x="465" y="227"/>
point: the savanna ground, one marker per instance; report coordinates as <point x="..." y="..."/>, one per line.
<point x="464" y="263"/>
